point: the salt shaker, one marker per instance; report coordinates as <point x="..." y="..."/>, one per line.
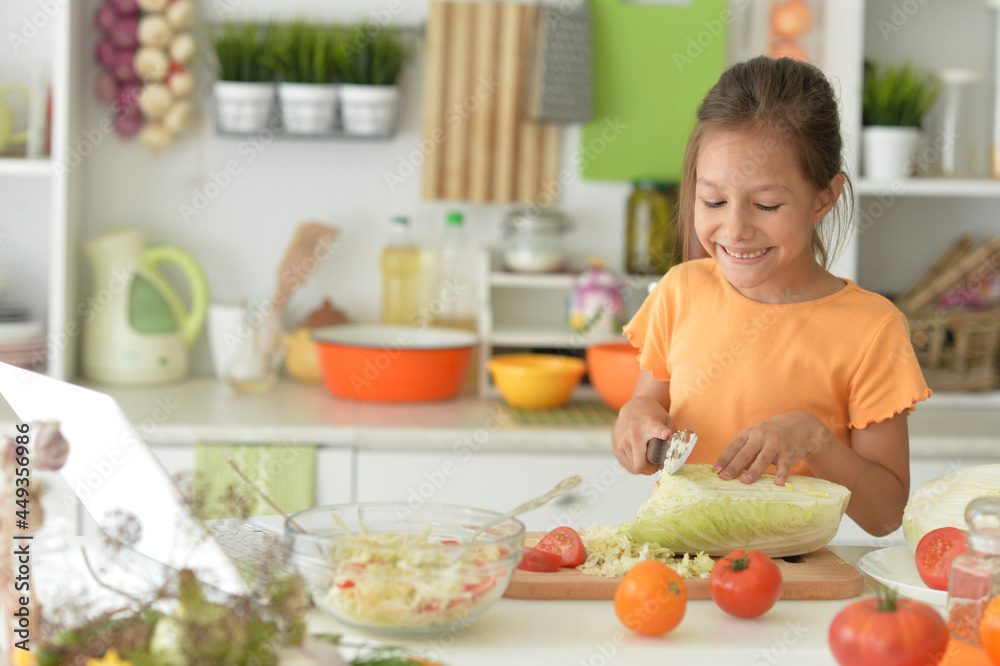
<point x="975" y="575"/>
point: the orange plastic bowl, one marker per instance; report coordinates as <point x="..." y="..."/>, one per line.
<point x="393" y="363"/>
<point x="613" y="368"/>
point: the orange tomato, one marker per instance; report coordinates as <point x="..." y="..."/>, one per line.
<point x="989" y="631"/>
<point x="651" y="598"/>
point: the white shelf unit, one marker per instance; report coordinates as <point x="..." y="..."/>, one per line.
<point x="528" y="312"/>
<point x="931" y="187"/>
<point x="904" y="225"/>
<point x="42" y="203"/>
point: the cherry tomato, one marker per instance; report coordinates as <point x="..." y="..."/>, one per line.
<point x="539" y="560"/>
<point x="888" y="631"/>
<point x="651" y="598"/>
<point x="989" y="631"/>
<point x="567" y="544"/>
<point x="745" y="583"/>
<point x="934" y="554"/>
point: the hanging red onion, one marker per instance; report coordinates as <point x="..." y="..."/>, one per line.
<point x="125" y="7"/>
<point x="128" y="98"/>
<point x="105" y="17"/>
<point x="122" y="66"/>
<point x="128" y="123"/>
<point x="123" y="34"/>
<point x="105" y="53"/>
<point x="107" y="88"/>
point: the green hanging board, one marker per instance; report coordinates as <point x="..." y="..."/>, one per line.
<point x="652" y="64"/>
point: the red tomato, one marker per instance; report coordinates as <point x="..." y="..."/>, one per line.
<point x="651" y="598"/>
<point x="566" y="543"/>
<point x="745" y="583"/>
<point x="935" y="551"/>
<point x="901" y="632"/>
<point x="539" y="560"/>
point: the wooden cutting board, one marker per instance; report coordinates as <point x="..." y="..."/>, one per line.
<point x="817" y="575"/>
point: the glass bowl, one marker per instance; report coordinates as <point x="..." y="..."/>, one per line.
<point x="400" y="569"/>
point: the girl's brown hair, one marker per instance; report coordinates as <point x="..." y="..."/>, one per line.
<point x="786" y="99"/>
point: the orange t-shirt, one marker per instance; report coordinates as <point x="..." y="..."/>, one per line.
<point x="733" y="362"/>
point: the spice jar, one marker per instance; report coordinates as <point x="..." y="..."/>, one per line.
<point x="975" y="575"/>
<point x="533" y="241"/>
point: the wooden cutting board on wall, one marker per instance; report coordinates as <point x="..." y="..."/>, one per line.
<point x="818" y="575"/>
<point x="478" y="145"/>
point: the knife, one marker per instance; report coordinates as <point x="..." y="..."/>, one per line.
<point x="670" y="454"/>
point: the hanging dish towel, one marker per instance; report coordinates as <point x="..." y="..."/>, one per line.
<point x="286" y="472"/>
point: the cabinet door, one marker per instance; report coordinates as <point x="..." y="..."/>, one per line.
<point x="501" y="481"/>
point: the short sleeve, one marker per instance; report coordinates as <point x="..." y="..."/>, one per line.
<point x="649" y="331"/>
<point x="888" y="380"/>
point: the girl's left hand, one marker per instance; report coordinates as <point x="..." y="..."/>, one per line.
<point x="781" y="440"/>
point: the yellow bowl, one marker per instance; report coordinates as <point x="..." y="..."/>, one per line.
<point x="536" y="381"/>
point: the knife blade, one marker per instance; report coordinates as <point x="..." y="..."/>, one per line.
<point x="670" y="454"/>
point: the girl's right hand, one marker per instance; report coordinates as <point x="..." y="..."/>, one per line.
<point x="641" y="419"/>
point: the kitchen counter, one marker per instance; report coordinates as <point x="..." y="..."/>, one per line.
<point x="204" y="409"/>
<point x="587" y="633"/>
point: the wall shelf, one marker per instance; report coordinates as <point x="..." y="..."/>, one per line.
<point x="20" y="166"/>
<point x="931" y="187"/>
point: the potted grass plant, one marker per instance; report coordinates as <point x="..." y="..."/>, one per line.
<point x="895" y="99"/>
<point x="371" y="60"/>
<point x="304" y="55"/>
<point x="244" y="89"/>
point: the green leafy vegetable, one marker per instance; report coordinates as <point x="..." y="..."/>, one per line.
<point x="693" y="511"/>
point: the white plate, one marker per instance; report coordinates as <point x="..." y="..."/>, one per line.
<point x="896" y="568"/>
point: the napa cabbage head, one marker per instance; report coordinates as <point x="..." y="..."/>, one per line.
<point x="693" y="511"/>
<point x="941" y="502"/>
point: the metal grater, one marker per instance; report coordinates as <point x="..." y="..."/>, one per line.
<point x="559" y="83"/>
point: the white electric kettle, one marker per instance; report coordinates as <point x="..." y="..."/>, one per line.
<point x="135" y="328"/>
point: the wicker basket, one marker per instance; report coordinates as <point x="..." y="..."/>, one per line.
<point x="958" y="350"/>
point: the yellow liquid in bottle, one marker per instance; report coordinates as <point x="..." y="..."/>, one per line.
<point x="401" y="284"/>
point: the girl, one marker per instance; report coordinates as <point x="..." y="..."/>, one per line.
<point x="769" y="357"/>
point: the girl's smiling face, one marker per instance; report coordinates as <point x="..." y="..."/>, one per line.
<point x="754" y="213"/>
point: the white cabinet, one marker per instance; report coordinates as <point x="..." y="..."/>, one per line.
<point x="40" y="198"/>
<point x="501" y="481"/>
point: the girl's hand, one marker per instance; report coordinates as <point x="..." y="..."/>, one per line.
<point x="641" y="419"/>
<point x="781" y="440"/>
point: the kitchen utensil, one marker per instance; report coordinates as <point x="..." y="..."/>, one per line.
<point x="420" y="574"/>
<point x="310" y="245"/>
<point x="559" y="70"/>
<point x="671" y="453"/>
<point x="561" y="488"/>
<point x="821" y="574"/>
<point x="8" y="137"/>
<point x="613" y="369"/>
<point x="535" y="381"/>
<point x="136" y="330"/>
<point x="393" y="363"/>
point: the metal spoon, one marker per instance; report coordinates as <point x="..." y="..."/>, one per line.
<point x="560" y="488"/>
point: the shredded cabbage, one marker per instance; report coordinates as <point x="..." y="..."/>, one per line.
<point x="611" y="551"/>
<point x="941" y="502"/>
<point x="693" y="511"/>
<point x="396" y="581"/>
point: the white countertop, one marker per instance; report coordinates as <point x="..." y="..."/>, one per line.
<point x="588" y="633"/>
<point x="206" y="410"/>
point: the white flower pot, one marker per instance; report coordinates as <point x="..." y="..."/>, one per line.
<point x="889" y="152"/>
<point x="242" y="107"/>
<point x="307" y="108"/>
<point x="369" y="110"/>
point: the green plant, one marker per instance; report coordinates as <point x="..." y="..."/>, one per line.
<point x="304" y="52"/>
<point x="373" y="55"/>
<point x="897" y="95"/>
<point x="242" y="52"/>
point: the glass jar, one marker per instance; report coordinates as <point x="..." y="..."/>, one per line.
<point x="533" y="241"/>
<point x="975" y="576"/>
<point x="652" y="240"/>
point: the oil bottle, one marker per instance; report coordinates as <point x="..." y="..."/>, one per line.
<point x="402" y="281"/>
